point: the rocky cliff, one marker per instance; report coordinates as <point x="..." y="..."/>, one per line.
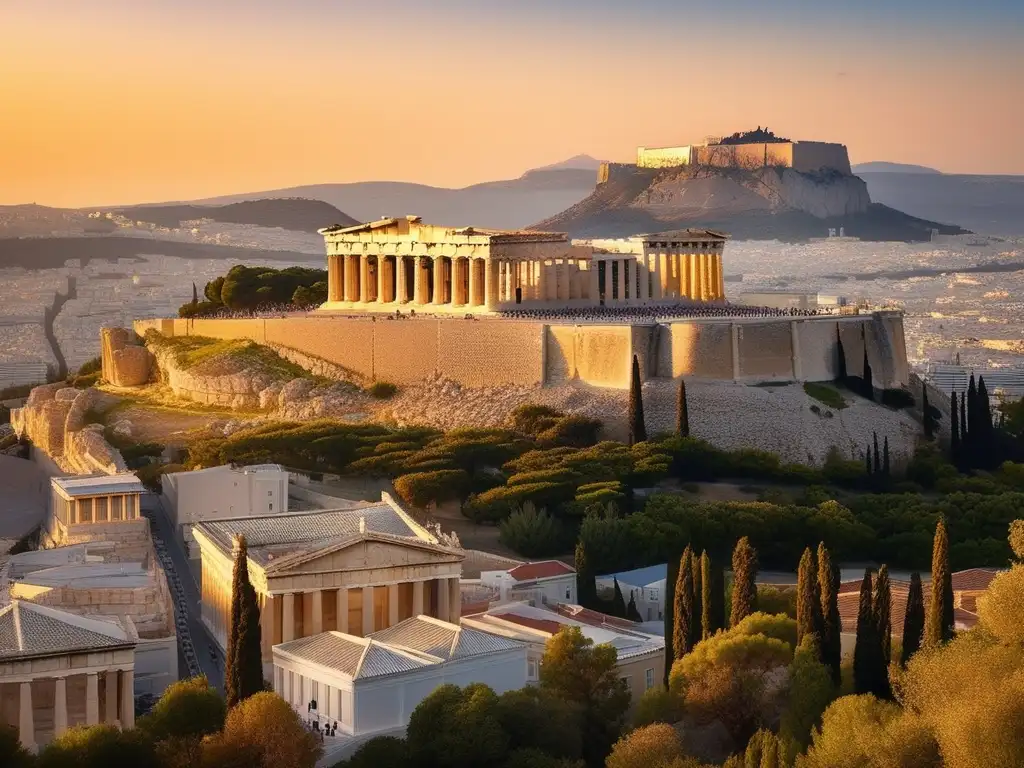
<point x="761" y="203"/>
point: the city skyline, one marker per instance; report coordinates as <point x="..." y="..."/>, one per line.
<point x="152" y="101"/>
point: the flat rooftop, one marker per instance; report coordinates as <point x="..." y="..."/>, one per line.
<point x="98" y="485"/>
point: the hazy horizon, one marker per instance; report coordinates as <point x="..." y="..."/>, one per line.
<point x="152" y="100"/>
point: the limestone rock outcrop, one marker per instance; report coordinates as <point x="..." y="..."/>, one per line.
<point x="126" y="363"/>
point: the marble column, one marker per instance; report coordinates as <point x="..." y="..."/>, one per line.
<point x="267" y="626"/>
<point x="367" y="610"/>
<point x="593" y="288"/>
<point x="454" y="601"/>
<point x="92" y="699"/>
<point x="474" y="284"/>
<point x="421" y="277"/>
<point x="334" y="278"/>
<point x="26" y="719"/>
<point x="318" y="612"/>
<point x="127" y="699"/>
<point x="490" y="284"/>
<point x="288" y="618"/>
<point x="352" y="277"/>
<point x="110" y="696"/>
<point x="691" y="273"/>
<point x="644" y="274"/>
<point x="401" y="294"/>
<point x="60" y="707"/>
<point x="364" y="279"/>
<point x="438" y="296"/>
<point x="417" y="598"/>
<point x="444" y="596"/>
<point x="458" y="299"/>
<point x="721" y="276"/>
<point x="392" y="604"/>
<point x="342" y="610"/>
<point x="381" y="261"/>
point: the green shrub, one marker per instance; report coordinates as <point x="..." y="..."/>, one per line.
<point x="423" y="488"/>
<point x="532" y="419"/>
<point x="95" y="365"/>
<point x="382" y="390"/>
<point x="498" y="503"/>
<point x="531" y="532"/>
<point x="897" y="398"/>
<point x="381" y="465"/>
<point x="826" y="394"/>
<point x="576" y="431"/>
<point x="657" y="705"/>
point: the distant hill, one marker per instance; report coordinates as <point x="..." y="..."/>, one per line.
<point x="991" y="205"/>
<point x="881" y="166"/>
<point x="766" y="203"/>
<point x="507" y="204"/>
<point x="299" y="214"/>
<point x="576" y="162"/>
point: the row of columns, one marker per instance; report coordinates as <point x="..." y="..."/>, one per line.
<point x="460" y="281"/>
<point x="659" y="276"/>
<point x="123" y="715"/>
<point x="551" y="280"/>
<point x="87" y="510"/>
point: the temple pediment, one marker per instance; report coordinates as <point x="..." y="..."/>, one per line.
<point x="365" y="552"/>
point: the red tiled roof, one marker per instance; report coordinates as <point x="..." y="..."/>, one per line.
<point x="544" y="625"/>
<point x="973" y="579"/>
<point x="593" y="618"/>
<point x="545" y="569"/>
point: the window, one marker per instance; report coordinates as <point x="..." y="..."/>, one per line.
<point x="649" y="678"/>
<point x="654" y="594"/>
<point x="567" y="594"/>
<point x="270" y="493"/>
<point x="271" y="506"/>
<point x="531" y="670"/>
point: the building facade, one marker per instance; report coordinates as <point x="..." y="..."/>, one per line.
<point x="547" y="581"/>
<point x="354" y="571"/>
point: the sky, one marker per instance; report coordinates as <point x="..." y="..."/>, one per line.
<point x="121" y="101"/>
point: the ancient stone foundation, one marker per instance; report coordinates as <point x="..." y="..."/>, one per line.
<point x="126" y="363"/>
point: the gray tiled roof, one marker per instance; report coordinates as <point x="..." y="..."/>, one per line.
<point x="443" y="640"/>
<point x="356" y="657"/>
<point x="28" y="630"/>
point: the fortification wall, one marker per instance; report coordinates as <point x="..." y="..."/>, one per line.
<point x="598" y="355"/>
<point x="766" y="351"/>
<point x="804" y="156"/>
<point x="810" y="156"/>
<point x="696" y="349"/>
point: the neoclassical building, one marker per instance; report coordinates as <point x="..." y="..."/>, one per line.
<point x="403" y="263"/>
<point x="355" y="571"/>
<point x="59" y="670"/>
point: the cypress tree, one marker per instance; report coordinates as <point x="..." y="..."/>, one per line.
<point x="683" y="414"/>
<point x="963" y="427"/>
<point x="698" y="598"/>
<point x="683" y="634"/>
<point x="637" y="429"/>
<point x="618" y="607"/>
<point x="841" y="374"/>
<point x="939" y="622"/>
<point x="243" y="667"/>
<point x="877" y="465"/>
<point x="882" y="611"/>
<point x="973" y="434"/>
<point x="586" y="583"/>
<point x="886" y="466"/>
<point x="867" y="460"/>
<point x="706" y="622"/>
<point x="865" y="651"/>
<point x="670" y="606"/>
<point x="195" y="295"/>
<point x="926" y="418"/>
<point x="808" y="600"/>
<point x="632" y="613"/>
<point x="954" y="430"/>
<point x="913" y="622"/>
<point x="869" y="387"/>
<point x="832" y="623"/>
<point x="984" y="443"/>
<point x="744" y="578"/>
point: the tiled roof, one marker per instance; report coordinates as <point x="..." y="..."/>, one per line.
<point x="28" y="630"/>
<point x="593" y="618"/>
<point x="849" y="606"/>
<point x="544" y="625"/>
<point x="542" y="570"/>
<point x="441" y="639"/>
<point x="97" y="485"/>
<point x="973" y="579"/>
<point x="359" y="658"/>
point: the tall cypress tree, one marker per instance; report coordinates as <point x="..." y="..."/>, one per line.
<point x="195" y="295"/>
<point x="744" y="581"/>
<point x="682" y="636"/>
<point x="683" y="412"/>
<point x="832" y="623"/>
<point x="882" y="611"/>
<point x="877" y="466"/>
<point x="808" y="600"/>
<point x="637" y="428"/>
<point x="926" y="414"/>
<point x="698" y="598"/>
<point x="963" y="428"/>
<point x="939" y="621"/>
<point x="243" y="667"/>
<point x="867" y="460"/>
<point x="841" y="374"/>
<point x="954" y="430"/>
<point x="706" y="622"/>
<point x="983" y="446"/>
<point x="586" y="582"/>
<point x="618" y="607"/>
<point x="671" y="577"/>
<point x="869" y="386"/>
<point x="632" y="612"/>
<point x="913" y="622"/>
<point x="971" y="442"/>
<point x="886" y="466"/>
<point x="865" y="652"/>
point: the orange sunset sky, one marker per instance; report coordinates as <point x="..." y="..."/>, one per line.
<point x="110" y="101"/>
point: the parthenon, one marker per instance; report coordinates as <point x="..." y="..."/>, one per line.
<point x="393" y="263"/>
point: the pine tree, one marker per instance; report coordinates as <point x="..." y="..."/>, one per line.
<point x="744" y="578"/>
<point x="670" y="607"/>
<point x="586" y="582"/>
<point x="865" y="651"/>
<point x="683" y="636"/>
<point x="841" y="374"/>
<point x="832" y="624"/>
<point x="869" y="387"/>
<point x="913" y="622"/>
<point x="939" y="621"/>
<point x="808" y="600"/>
<point x="698" y="599"/>
<point x="632" y="612"/>
<point x="243" y="667"/>
<point x="954" y="430"/>
<point x="683" y="412"/>
<point x="926" y="414"/>
<point x="886" y="466"/>
<point x="637" y="429"/>
<point x="876" y="468"/>
<point x="618" y="607"/>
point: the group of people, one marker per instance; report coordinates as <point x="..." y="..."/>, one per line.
<point x="655" y="313"/>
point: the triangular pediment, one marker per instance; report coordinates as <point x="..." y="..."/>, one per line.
<point x="363" y="552"/>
